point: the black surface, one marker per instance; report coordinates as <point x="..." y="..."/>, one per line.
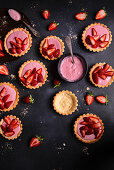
<point x="41" y="119"/>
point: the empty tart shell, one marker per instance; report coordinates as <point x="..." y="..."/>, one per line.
<point x="26" y="50"/>
<point x="79" y="137"/>
<point x="88" y="46"/>
<point x="11" y="137"/>
<point x="62" y="47"/>
<point x="40" y="84"/>
<point x="65" y="102"/>
<point x="91" y="72"/>
<point x="17" y="97"/>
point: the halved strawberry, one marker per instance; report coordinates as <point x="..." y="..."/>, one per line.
<point x="7" y="120"/>
<point x="84" y="123"/>
<point x="27" y="74"/>
<point x="34" y="70"/>
<point x="1" y="45"/>
<point x="106" y="67"/>
<point x="14" y="121"/>
<point x="104" y="44"/>
<point x="44" y="51"/>
<point x="92" y="40"/>
<point x="102" y="99"/>
<point x="40" y="78"/>
<point x="18" y="40"/>
<point x="103" y="38"/>
<point x="3" y="128"/>
<point x="97" y="69"/>
<point x="8" y="104"/>
<point x="81" y="16"/>
<point x="1" y="104"/>
<point x="98" y="132"/>
<point x="29" y="79"/>
<point x="89" y="98"/>
<point x="94" y="119"/>
<point x="94" y="32"/>
<point x="18" y="50"/>
<point x="4" y="70"/>
<point x="97" y="125"/>
<point x="83" y="130"/>
<point x="15" y="125"/>
<point x="103" y="76"/>
<point x="101" y="72"/>
<point x="35" y="141"/>
<point x="56" y="53"/>
<point x="12" y="50"/>
<point x="13" y="43"/>
<point x="96" y="37"/>
<point x="50" y="51"/>
<point x="1" y="54"/>
<point x="51" y="46"/>
<point x="100" y="14"/>
<point x="8" y="134"/>
<point x="5" y="98"/>
<point x="95" y="77"/>
<point x="39" y="71"/>
<point x="9" y="128"/>
<point x="46" y="14"/>
<point x="109" y="73"/>
<point x="25" y="41"/>
<point x="45" y="45"/>
<point x="22" y="79"/>
<point x="2" y="92"/>
<point x="89" y="131"/>
<point x="34" y="83"/>
<point x="23" y="47"/>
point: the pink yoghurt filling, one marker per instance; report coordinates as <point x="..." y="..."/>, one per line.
<point x="14" y="14"/>
<point x="56" y="43"/>
<point x="11" y="92"/>
<point x="16" y="130"/>
<point x="70" y="71"/>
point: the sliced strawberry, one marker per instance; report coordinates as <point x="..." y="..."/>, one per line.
<point x="44" y="51"/>
<point x="34" y="70"/>
<point x="22" y="79"/>
<point x="50" y="51"/>
<point x="18" y="40"/>
<point x="10" y="128"/>
<point x="18" y="50"/>
<point x="3" y="128"/>
<point x="2" y="92"/>
<point x="92" y="40"/>
<point x="7" y="120"/>
<point x="89" y="98"/>
<point x="4" y="70"/>
<point x="23" y="47"/>
<point x="13" y="43"/>
<point x="94" y="32"/>
<point x="35" y="76"/>
<point x="81" y="16"/>
<point x="94" y="119"/>
<point x="104" y="44"/>
<point x="2" y="106"/>
<point x="51" y="46"/>
<point x="5" y="98"/>
<point x="96" y="37"/>
<point x="1" y="45"/>
<point x="53" y="26"/>
<point x="106" y="67"/>
<point x="83" y="130"/>
<point x="97" y="125"/>
<point x="98" y="132"/>
<point x="8" y="134"/>
<point x="109" y="73"/>
<point x="8" y="104"/>
<point x="1" y="102"/>
<point x="25" y="41"/>
<point x="12" y="50"/>
<point x="14" y="121"/>
<point x="29" y="79"/>
<point x="86" y="119"/>
<point x="97" y="69"/>
<point x="46" y="14"/>
<point x="45" y="45"/>
<point x="40" y="78"/>
<point x="1" y="54"/>
<point x="88" y="40"/>
<point x="94" y="46"/>
<point x="95" y="77"/>
<point x="103" y="38"/>
<point x="100" y="14"/>
<point x="27" y="74"/>
<point x="34" y="83"/>
<point x="89" y="131"/>
<point x="103" y="76"/>
<point x="16" y="125"/>
<point x="84" y="123"/>
<point x="101" y="72"/>
<point x="51" y="56"/>
<point x="56" y="53"/>
<point x="35" y="141"/>
<point x="102" y="99"/>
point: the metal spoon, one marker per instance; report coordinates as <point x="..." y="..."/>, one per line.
<point x="36" y="33"/>
<point x="69" y="44"/>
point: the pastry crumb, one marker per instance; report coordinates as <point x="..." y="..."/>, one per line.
<point x="87" y="88"/>
<point x="13" y="76"/>
<point x="85" y="150"/>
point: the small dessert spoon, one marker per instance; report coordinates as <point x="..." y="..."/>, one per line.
<point x="20" y="18"/>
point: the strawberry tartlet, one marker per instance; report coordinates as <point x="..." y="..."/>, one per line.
<point x="17" y="42"/>
<point x="33" y="74"/>
<point x="96" y="37"/>
<point x="101" y="75"/>
<point x="9" y="96"/>
<point x="10" y="127"/>
<point x="88" y="128"/>
<point x="51" y="47"/>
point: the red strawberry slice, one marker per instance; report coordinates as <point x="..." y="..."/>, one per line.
<point x="25" y="41"/>
<point x="51" y="46"/>
<point x="96" y="37"/>
<point x="9" y="128"/>
<point x="1" y="102"/>
<point x="3" y="128"/>
<point x="18" y="40"/>
<point x="53" y="26"/>
<point x="29" y="79"/>
<point x="12" y="50"/>
<point x="7" y="120"/>
<point x="100" y="14"/>
<point x="97" y="69"/>
<point x="1" y="54"/>
<point x="109" y="73"/>
<point x="4" y="70"/>
<point x="86" y="119"/>
<point x="5" y="98"/>
<point x="103" y="38"/>
<point x="34" y="83"/>
<point x="8" y="134"/>
<point x="45" y="45"/>
<point x="40" y="78"/>
<point x="13" y="44"/>
<point x="2" y="92"/>
<point x="15" y="126"/>
<point x="81" y="16"/>
<point x="94" y="119"/>
<point x="83" y="130"/>
<point x="8" y="104"/>
<point x="97" y="125"/>
<point x="51" y="56"/>
<point x="23" y="47"/>
<point x="102" y="99"/>
<point x="22" y="79"/>
<point x="89" y="131"/>
<point x="14" y="121"/>
<point x="56" y="53"/>
<point x="84" y="123"/>
<point x="2" y="106"/>
<point x="101" y="72"/>
<point x="44" y="51"/>
<point x="18" y="50"/>
<point x="103" y="76"/>
<point x="1" y="45"/>
<point x="98" y="132"/>
<point x="27" y="74"/>
<point x="94" y="32"/>
<point x="106" y="67"/>
<point x="92" y="40"/>
<point x="34" y="70"/>
<point x="104" y="44"/>
<point x="39" y="71"/>
<point x="50" y="51"/>
<point x="95" y="77"/>
<point x="46" y="14"/>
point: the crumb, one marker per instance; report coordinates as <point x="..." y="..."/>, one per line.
<point x="70" y="1"/>
<point x="87" y="88"/>
<point x="48" y="80"/>
<point x="77" y="91"/>
<point x="13" y="76"/>
<point x="85" y="150"/>
<point x="25" y="111"/>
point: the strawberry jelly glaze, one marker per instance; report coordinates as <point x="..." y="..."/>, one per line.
<point x="19" y="34"/>
<point x="56" y="43"/>
<point x="16" y="130"/>
<point x="100" y="31"/>
<point x="70" y="71"/>
<point x="11" y="92"/>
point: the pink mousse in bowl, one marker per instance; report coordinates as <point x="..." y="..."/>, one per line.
<point x="72" y="72"/>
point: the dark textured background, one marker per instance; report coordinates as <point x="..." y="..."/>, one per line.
<point x="41" y="119"/>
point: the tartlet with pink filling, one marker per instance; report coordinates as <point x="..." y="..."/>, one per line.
<point x="9" y="96"/>
<point x="96" y="37"/>
<point x="101" y="75"/>
<point x="10" y="127"/>
<point x="33" y="74"/>
<point x="88" y="128"/>
<point x="17" y="42"/>
<point x="51" y="47"/>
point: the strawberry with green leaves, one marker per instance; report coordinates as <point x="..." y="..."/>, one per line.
<point x="102" y="99"/>
<point x="56" y="83"/>
<point x="35" y="141"/>
<point x="89" y="98"/>
<point x="28" y="99"/>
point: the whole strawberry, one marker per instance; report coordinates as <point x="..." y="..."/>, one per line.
<point x="35" y="141"/>
<point x="46" y="14"/>
<point x="53" y="26"/>
<point x="56" y="82"/>
<point x="28" y="99"/>
<point x="89" y="98"/>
